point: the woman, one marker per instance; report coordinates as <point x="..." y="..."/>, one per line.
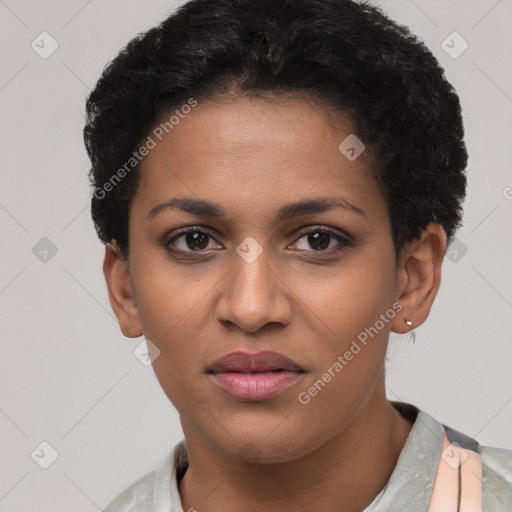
<point x="276" y="184"/>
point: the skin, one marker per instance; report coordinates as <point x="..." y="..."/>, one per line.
<point x="252" y="156"/>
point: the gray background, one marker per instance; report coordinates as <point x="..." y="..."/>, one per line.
<point x="69" y="377"/>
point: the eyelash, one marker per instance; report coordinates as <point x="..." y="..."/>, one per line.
<point x="344" y="241"/>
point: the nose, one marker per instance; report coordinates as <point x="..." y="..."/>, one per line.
<point x="253" y="295"/>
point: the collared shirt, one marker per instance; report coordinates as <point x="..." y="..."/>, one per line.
<point x="409" y="488"/>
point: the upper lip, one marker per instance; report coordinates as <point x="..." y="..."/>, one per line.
<point x="245" y="362"/>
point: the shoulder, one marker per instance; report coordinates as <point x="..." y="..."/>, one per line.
<point x="496" y="478"/>
<point x="496" y="471"/>
<point x="499" y="461"/>
<point x="136" y="497"/>
<point x="425" y="444"/>
<point x="156" y="490"/>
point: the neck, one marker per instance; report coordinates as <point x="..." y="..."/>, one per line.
<point x="345" y="473"/>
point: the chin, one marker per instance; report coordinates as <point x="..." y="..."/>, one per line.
<point x="256" y="446"/>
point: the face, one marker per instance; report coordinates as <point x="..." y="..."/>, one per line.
<point x="292" y="254"/>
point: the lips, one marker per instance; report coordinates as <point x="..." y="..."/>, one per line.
<point x="247" y="362"/>
<point x="254" y="376"/>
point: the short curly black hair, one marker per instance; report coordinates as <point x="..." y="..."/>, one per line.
<point x="347" y="55"/>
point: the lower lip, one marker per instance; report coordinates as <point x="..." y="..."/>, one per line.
<point x="255" y="386"/>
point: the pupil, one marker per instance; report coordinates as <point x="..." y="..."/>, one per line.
<point x="319" y="240"/>
<point x="197" y="238"/>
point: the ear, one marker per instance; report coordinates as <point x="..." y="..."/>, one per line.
<point x="419" y="277"/>
<point x="120" y="291"/>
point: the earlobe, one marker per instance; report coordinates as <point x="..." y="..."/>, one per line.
<point x="120" y="292"/>
<point x="419" y="277"/>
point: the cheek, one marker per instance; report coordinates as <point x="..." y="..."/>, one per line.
<point x="173" y="312"/>
<point x="173" y="326"/>
<point x="356" y="313"/>
<point x="352" y="298"/>
<point x="167" y="297"/>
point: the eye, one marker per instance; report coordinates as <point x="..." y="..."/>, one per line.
<point x="322" y="239"/>
<point x="191" y="239"/>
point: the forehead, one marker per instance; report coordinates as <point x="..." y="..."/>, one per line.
<point x="246" y="150"/>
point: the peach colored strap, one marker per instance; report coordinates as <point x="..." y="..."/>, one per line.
<point x="458" y="482"/>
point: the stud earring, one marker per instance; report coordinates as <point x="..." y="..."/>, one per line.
<point x="408" y="323"/>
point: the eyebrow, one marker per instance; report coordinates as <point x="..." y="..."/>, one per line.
<point x="208" y="209"/>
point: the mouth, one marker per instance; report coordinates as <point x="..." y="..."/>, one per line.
<point x="254" y="376"/>
<point x="247" y="362"/>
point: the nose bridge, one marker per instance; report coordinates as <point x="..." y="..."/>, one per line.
<point x="253" y="295"/>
